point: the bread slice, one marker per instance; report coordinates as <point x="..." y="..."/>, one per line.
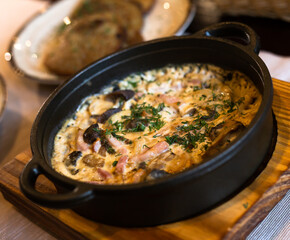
<point x="83" y="42"/>
<point x="125" y="13"/>
<point x="97" y="28"/>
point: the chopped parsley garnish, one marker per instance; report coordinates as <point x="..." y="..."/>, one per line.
<point x="197" y="124"/>
<point x="107" y="146"/>
<point x="137" y="110"/>
<point x="102" y="135"/>
<point x="202" y="97"/>
<point x="195" y="88"/>
<point x="188" y="141"/>
<point x="214" y="96"/>
<point x="142" y="116"/>
<point x="193" y="134"/>
<point x="115" y="163"/>
<point x="133" y="84"/>
<point x="117" y="126"/>
<point x="245" y="205"/>
<point x="121" y="138"/>
<point x="233" y="105"/>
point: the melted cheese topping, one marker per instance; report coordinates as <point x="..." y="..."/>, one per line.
<point x="178" y="116"/>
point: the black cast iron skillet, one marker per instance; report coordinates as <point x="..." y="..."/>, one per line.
<point x="229" y="45"/>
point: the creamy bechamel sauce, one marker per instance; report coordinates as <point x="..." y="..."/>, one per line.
<point x="158" y="122"/>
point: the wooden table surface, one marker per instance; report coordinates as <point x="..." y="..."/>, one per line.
<point x="25" y="97"/>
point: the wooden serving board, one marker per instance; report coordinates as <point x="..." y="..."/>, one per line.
<point x="234" y="219"/>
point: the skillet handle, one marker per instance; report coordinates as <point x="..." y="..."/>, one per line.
<point x="77" y="193"/>
<point x="233" y="32"/>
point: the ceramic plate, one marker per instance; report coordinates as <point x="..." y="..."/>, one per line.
<point x="166" y="18"/>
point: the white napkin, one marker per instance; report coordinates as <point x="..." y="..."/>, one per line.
<point x="279" y="66"/>
<point x="277" y="223"/>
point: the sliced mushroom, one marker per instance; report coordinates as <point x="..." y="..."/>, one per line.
<point x="72" y="158"/>
<point x="123" y="94"/>
<point x="103" y="151"/>
<point x="156" y="173"/>
<point x="137" y="124"/>
<point x="94" y="133"/>
<point x="74" y="171"/>
<point x="212" y="114"/>
<point x="228" y="133"/>
<point x="142" y="165"/>
<point x="139" y="176"/>
<point x="91" y="134"/>
<point x="161" y="161"/>
<point x="107" y="146"/>
<point x="107" y="114"/>
<point x="230" y="129"/>
<point x="191" y="111"/>
<point x="214" y="131"/>
<point x="92" y="160"/>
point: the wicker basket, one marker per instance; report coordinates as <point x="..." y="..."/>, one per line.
<point x="261" y="8"/>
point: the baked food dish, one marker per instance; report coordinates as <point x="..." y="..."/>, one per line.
<point x="155" y="123"/>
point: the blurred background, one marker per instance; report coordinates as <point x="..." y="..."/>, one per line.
<point x="269" y="18"/>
